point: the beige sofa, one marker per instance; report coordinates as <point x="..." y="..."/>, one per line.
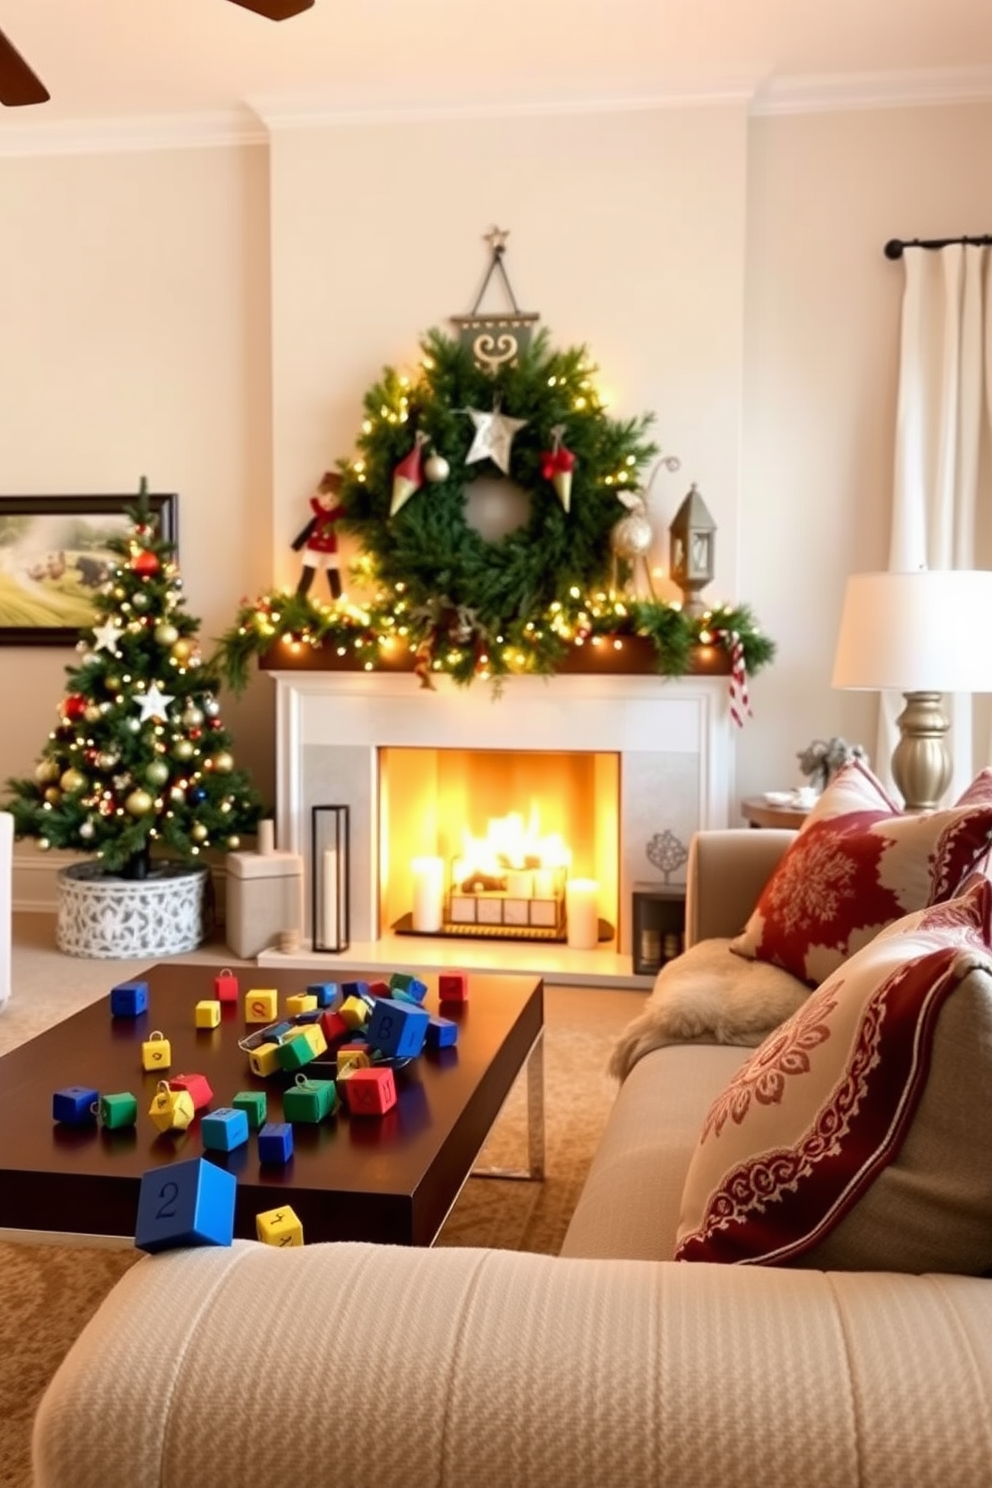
<point x="352" y="1366"/>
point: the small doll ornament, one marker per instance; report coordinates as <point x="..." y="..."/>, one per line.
<point x="318" y="539"/>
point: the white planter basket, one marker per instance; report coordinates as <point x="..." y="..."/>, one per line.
<point x="121" y="918"/>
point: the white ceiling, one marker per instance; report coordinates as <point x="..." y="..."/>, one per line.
<point x="125" y="59"/>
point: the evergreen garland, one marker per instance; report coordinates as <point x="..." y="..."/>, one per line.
<point x="468" y="607"/>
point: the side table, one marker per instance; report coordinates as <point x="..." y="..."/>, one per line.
<point x="760" y="813"/>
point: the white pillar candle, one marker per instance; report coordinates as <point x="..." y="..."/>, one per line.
<point x="329" y="898"/>
<point x="428" y="894"/>
<point x="520" y="883"/>
<point x="267" y="835"/>
<point x="582" y="913"/>
<point x="544" y="883"/>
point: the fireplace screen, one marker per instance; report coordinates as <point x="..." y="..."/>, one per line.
<point x="485" y="842"/>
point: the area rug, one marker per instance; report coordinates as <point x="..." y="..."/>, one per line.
<point x="50" y="1291"/>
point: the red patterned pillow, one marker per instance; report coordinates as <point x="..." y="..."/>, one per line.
<point x="857" y="865"/>
<point x="858" y="1136"/>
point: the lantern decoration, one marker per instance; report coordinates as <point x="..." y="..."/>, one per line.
<point x="557" y="465"/>
<point x="693" y="545"/>
<point x="408" y="477"/>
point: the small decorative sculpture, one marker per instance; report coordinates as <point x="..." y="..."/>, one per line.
<point x="666" y="852"/>
<point x="630" y="538"/>
<point x="821" y="760"/>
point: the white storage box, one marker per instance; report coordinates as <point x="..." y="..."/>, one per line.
<point x="264" y="897"/>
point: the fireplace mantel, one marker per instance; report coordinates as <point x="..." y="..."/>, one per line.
<point x="673" y="735"/>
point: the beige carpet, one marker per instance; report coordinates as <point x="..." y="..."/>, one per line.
<point x="51" y="1290"/>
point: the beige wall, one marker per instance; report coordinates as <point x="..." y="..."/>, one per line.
<point x="211" y="318"/>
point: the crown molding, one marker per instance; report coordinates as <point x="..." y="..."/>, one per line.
<point x="116" y="136"/>
<point x="260" y="117"/>
<point x="873" y="90"/>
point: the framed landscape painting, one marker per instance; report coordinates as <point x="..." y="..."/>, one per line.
<point x="54" y="557"/>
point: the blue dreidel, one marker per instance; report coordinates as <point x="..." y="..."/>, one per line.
<point x="185" y="1203"/>
<point x="128" y="999"/>
<point x="328" y="994"/>
<point x="75" y="1105"/>
<point x="275" y="1142"/>
<point x="224" y="1129"/>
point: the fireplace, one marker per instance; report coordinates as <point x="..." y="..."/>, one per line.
<point x="638" y="762"/>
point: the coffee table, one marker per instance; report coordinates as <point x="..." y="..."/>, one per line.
<point x="390" y="1179"/>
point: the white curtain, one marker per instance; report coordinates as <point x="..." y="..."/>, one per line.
<point x="942" y="498"/>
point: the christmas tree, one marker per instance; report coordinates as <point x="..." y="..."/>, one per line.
<point x="140" y="758"/>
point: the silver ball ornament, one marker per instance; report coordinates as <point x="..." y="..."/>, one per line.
<point x="86" y="830"/>
<point x="436" y="468"/>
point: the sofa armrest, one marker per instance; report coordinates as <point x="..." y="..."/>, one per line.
<point x="360" y="1366"/>
<point x="725" y="875"/>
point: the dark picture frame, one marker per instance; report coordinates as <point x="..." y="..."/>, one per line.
<point x="51" y="560"/>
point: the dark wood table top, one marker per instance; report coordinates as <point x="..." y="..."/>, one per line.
<point x="390" y="1179"/>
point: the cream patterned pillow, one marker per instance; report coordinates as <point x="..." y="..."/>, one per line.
<point x="858" y="1136"/>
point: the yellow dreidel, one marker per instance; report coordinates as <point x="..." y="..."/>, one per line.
<point x="264" y="1060"/>
<point x="279" y="1227"/>
<point x="156" y="1052"/>
<point x="261" y="1005"/>
<point x="207" y="1013"/>
<point x="171" y="1110"/>
<point x="300" y="1002"/>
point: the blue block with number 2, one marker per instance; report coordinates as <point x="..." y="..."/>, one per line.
<point x="185" y="1203"/>
<point x="397" y="1028"/>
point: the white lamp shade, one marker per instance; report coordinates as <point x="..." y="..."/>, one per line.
<point x="926" y="631"/>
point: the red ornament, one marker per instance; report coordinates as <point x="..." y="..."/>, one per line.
<point x="74" y="706"/>
<point x="408" y="476"/>
<point x="557" y="465"/>
<point x="145" y="563"/>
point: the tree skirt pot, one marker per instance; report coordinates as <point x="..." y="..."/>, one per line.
<point x="118" y="919"/>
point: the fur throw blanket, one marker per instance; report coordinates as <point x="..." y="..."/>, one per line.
<point x="709" y="995"/>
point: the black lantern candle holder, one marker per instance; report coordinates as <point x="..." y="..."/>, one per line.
<point x="329" y="875"/>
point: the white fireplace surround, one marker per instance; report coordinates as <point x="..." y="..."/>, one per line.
<point x="673" y="736"/>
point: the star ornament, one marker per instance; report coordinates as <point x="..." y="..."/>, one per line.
<point x="106" y="636"/>
<point x="494" y="434"/>
<point x="153" y="703"/>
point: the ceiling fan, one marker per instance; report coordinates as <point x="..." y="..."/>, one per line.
<point x="20" y="86"/>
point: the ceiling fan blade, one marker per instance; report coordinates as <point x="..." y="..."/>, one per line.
<point x="276" y="10"/>
<point x="18" y="84"/>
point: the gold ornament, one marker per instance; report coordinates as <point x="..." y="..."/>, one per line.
<point x="138" y="803"/>
<point x="157" y="772"/>
<point x="72" y="780"/>
<point x="53" y="795"/>
<point x="92" y="714"/>
<point x="183" y="749"/>
<point x="233" y="843"/>
<point x="182" y="649"/>
<point x="43" y="844"/>
<point x="46" y="770"/>
<point x="198" y="832"/>
<point x="223" y="762"/>
<point x="193" y="716"/>
<point x="166" y="634"/>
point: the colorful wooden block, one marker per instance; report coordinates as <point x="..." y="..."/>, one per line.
<point x="441" y="1033"/>
<point x="224" y="1129"/>
<point x="261" y="1005"/>
<point x="254" y="1105"/>
<point x="333" y="1026"/>
<point x="356" y="989"/>
<point x="351" y="1057"/>
<point x="75" y="1105"/>
<point x="309" y="1100"/>
<point x="207" y="1013"/>
<point x="452" y="986"/>
<point x="279" y="1227"/>
<point x="300" y="1002"/>
<point x="128" y="999"/>
<point x="156" y="1052"/>
<point x="185" y="1203"/>
<point x="355" y="1012"/>
<point x="171" y="1110"/>
<point x="275" y="1142"/>
<point x="397" y="1028"/>
<point x="279" y="1031"/>
<point x="411" y="986"/>
<point x="264" y="1060"/>
<point x="308" y="1042"/>
<point x="197" y="1087"/>
<point x="328" y="994"/>
<point x="226" y="986"/>
<point x="379" y="989"/>
<point x="370" y="1092"/>
<point x="120" y="1109"/>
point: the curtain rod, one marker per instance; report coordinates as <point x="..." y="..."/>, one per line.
<point x="894" y="247"/>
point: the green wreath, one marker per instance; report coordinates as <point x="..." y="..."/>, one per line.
<point x="466" y="606"/>
<point x="427" y="548"/>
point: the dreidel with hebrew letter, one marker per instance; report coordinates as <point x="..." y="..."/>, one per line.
<point x="171" y="1110"/>
<point x="156" y="1052"/>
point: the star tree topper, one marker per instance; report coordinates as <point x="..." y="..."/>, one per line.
<point x="494" y="433"/>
